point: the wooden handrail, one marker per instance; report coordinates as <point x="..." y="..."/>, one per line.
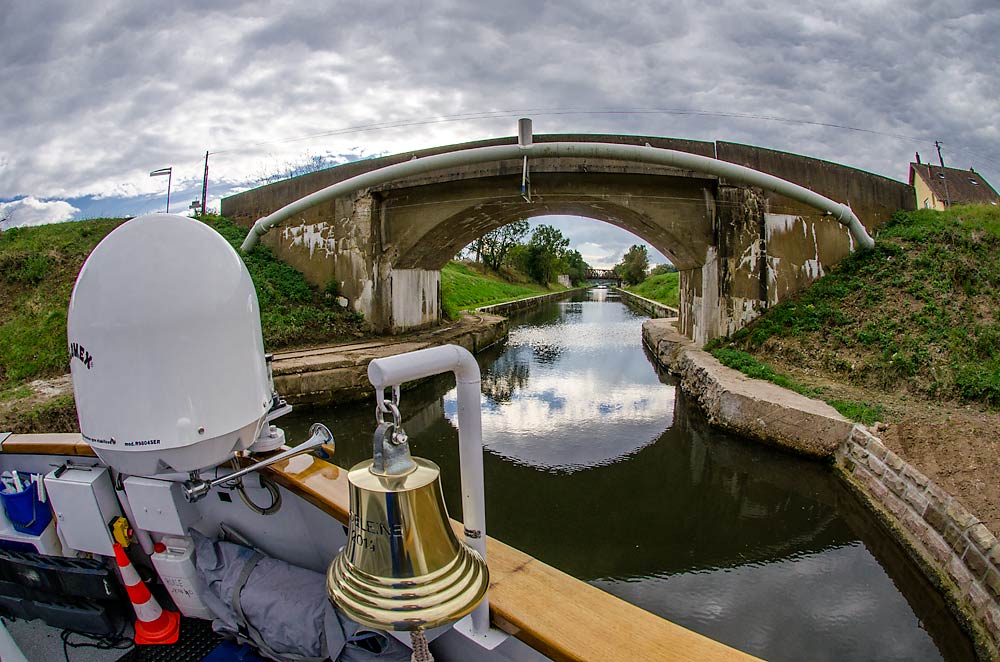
<point x="60" y="443"/>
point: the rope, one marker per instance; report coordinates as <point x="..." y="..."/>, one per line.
<point x="114" y="641"/>
<point x="421" y="651"/>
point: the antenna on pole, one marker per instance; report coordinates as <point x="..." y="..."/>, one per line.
<point x="204" y="185"/>
<point x="944" y="175"/>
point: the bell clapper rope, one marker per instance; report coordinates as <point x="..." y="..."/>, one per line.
<point x="421" y="651"/>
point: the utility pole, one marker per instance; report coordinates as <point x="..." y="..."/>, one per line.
<point x="204" y="185"/>
<point x="944" y="175"/>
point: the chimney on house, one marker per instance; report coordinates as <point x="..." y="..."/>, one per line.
<point x="918" y="158"/>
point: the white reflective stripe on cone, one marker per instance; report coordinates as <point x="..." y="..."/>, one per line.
<point x="129" y="575"/>
<point x="148" y="611"/>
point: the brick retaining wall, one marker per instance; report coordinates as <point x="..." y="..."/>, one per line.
<point x="948" y="537"/>
<point x="950" y="545"/>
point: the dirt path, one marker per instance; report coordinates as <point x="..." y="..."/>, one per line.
<point x="955" y="445"/>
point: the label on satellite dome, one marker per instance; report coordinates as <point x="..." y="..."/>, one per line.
<point x="77" y="351"/>
<point x="142" y="442"/>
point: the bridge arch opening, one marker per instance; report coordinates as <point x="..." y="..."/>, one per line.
<point x="601" y="244"/>
<point x="681" y="242"/>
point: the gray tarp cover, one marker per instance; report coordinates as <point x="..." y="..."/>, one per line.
<point x="285" y="609"/>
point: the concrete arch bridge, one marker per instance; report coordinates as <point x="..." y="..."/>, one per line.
<point x="739" y="248"/>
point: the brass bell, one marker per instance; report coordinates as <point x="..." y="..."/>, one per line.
<point x="402" y="568"/>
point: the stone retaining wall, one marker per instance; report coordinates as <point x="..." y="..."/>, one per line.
<point x="654" y="309"/>
<point x="958" y="552"/>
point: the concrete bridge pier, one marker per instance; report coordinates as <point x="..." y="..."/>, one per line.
<point x="343" y="244"/>
<point x="730" y="288"/>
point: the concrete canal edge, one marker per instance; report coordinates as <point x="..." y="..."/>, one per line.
<point x="339" y="373"/>
<point x="956" y="551"/>
<point x="518" y="305"/>
<point x="654" y="309"/>
<point x="750" y="407"/>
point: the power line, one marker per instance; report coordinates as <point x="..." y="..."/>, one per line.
<point x="543" y="112"/>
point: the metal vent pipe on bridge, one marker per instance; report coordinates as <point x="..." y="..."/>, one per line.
<point x="732" y="219"/>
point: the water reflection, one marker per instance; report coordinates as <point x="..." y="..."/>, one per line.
<point x="590" y="376"/>
<point x="597" y="465"/>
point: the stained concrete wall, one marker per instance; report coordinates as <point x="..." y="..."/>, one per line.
<point x="730" y="289"/>
<point x="872" y="197"/>
<point x="801" y="243"/>
<point x="416" y="298"/>
<point x="739" y="249"/>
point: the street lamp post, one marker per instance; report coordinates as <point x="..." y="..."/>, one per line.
<point x="169" y="172"/>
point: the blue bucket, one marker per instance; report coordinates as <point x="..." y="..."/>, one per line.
<point x="26" y="513"/>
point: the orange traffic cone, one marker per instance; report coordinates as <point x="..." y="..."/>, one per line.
<point x="153" y="624"/>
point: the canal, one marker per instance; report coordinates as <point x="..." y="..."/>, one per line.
<point x="598" y="465"/>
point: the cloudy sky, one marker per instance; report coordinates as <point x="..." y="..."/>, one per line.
<point x="98" y="94"/>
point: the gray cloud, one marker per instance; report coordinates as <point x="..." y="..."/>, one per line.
<point x="98" y="95"/>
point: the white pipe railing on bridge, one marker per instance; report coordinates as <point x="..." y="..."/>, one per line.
<point x="646" y="154"/>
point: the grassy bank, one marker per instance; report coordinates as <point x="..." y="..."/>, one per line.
<point x="918" y="314"/>
<point x="749" y="365"/>
<point x="465" y="286"/>
<point x="662" y="288"/>
<point x="39" y="265"/>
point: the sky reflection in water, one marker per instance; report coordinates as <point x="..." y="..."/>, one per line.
<point x="562" y="378"/>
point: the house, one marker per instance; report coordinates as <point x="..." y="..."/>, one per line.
<point x="939" y="188"/>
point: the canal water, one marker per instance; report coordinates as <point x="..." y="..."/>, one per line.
<point x="598" y="465"/>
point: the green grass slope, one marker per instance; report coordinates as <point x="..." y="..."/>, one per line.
<point x="920" y="313"/>
<point x="662" y="288"/>
<point x="464" y="286"/>
<point x="39" y="265"/>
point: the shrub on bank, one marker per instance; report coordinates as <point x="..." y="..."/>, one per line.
<point x="39" y="265"/>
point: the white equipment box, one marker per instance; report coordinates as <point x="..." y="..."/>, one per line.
<point x="84" y="503"/>
<point x="158" y="506"/>
<point x="174" y="564"/>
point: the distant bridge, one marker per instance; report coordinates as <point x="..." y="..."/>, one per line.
<point x="739" y="248"/>
<point x="604" y="274"/>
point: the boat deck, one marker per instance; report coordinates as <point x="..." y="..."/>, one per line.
<point x="555" y="614"/>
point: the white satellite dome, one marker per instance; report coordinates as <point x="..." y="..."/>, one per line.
<point x="166" y="350"/>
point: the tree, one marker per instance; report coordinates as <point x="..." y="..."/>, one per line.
<point x="576" y="268"/>
<point x="493" y="247"/>
<point x="665" y="268"/>
<point x="633" y="266"/>
<point x="544" y="256"/>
